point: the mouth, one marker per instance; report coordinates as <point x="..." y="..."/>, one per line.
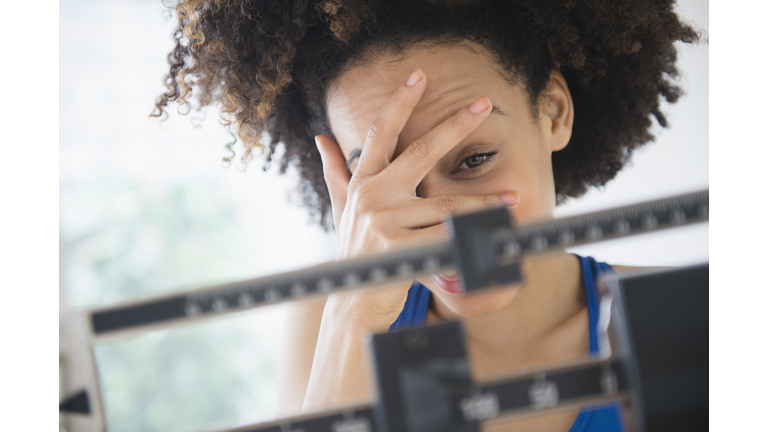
<point x="451" y="283"/>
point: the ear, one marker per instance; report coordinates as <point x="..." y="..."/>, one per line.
<point x="557" y="112"/>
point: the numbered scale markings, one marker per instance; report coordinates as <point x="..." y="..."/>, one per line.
<point x="593" y="382"/>
<point x="604" y="225"/>
<point x="360" y="272"/>
<point x="511" y="245"/>
<point x="590" y="383"/>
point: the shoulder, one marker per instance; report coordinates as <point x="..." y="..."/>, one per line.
<point x="622" y="269"/>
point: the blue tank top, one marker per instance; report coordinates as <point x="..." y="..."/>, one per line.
<point x="603" y="418"/>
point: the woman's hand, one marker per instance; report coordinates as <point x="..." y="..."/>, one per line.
<point x="376" y="209"/>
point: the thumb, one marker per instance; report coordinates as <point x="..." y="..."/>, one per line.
<point x="335" y="172"/>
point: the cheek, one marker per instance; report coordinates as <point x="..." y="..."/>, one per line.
<point x="523" y="176"/>
<point x="529" y="173"/>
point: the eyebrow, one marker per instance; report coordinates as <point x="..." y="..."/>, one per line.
<point x="356" y="151"/>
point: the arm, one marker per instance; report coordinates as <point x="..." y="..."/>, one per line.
<point x="302" y="324"/>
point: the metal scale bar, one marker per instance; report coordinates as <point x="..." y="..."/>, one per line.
<point x="373" y="270"/>
<point x="541" y="237"/>
<point x="351" y="419"/>
<point x="586" y="383"/>
<point x="655" y="366"/>
<point x="361" y="272"/>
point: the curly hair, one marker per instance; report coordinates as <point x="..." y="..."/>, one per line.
<point x="268" y="64"/>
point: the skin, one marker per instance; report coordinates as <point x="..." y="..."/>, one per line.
<point x="417" y="121"/>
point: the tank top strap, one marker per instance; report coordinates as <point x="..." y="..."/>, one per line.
<point x="591" y="271"/>
<point x="414" y="312"/>
<point x="607" y="417"/>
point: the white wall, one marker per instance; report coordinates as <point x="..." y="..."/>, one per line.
<point x="677" y="162"/>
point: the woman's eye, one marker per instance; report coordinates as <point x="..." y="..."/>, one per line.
<point x="474" y="161"/>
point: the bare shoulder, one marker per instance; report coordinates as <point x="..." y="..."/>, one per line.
<point x="302" y="325"/>
<point x="622" y="269"/>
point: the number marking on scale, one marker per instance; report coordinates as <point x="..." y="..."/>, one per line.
<point x="245" y="299"/>
<point x="324" y="285"/>
<point x="219" y="304"/>
<point x="649" y="221"/>
<point x="677" y="216"/>
<point x="431" y="263"/>
<point x="594" y="232"/>
<point x="543" y="394"/>
<point x="405" y="269"/>
<point x="512" y="249"/>
<point x="351" y="424"/>
<point x="539" y="243"/>
<point x="272" y="295"/>
<point x="298" y="289"/>
<point x="566" y="237"/>
<point x="378" y="274"/>
<point x="193" y="309"/>
<point x="479" y="407"/>
<point x="608" y="381"/>
<point x="621" y="226"/>
<point x="351" y="279"/>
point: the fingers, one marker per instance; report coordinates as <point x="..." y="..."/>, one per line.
<point x="384" y="130"/>
<point x="434" y="210"/>
<point x="435" y="229"/>
<point x="335" y="172"/>
<point x="432" y="234"/>
<point x="415" y="162"/>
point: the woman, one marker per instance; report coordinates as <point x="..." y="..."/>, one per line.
<point x="398" y="114"/>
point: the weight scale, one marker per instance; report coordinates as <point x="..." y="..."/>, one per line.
<point x="655" y="362"/>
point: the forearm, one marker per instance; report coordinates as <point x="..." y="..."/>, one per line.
<point x="341" y="370"/>
<point x="302" y="325"/>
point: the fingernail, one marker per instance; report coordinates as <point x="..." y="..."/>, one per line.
<point x="319" y="147"/>
<point x="414" y="78"/>
<point x="480" y="105"/>
<point x="510" y="199"/>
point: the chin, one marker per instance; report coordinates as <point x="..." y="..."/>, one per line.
<point x="481" y="303"/>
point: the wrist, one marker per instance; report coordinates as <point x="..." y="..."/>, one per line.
<point x="357" y="316"/>
<point x="341" y="368"/>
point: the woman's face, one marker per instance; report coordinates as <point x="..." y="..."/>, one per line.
<point x="509" y="151"/>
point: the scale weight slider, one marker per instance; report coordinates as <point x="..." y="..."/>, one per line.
<point x="417" y="371"/>
<point x="475" y="253"/>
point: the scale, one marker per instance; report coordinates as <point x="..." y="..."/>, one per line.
<point x="486" y="249"/>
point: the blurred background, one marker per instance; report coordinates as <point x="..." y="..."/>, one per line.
<point x="146" y="207"/>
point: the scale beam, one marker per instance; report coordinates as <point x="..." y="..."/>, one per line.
<point x="424" y="382"/>
<point x="503" y="246"/>
<point x="658" y="371"/>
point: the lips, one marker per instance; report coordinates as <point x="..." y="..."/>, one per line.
<point x="451" y="283"/>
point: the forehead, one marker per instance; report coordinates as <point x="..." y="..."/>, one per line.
<point x="456" y="76"/>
